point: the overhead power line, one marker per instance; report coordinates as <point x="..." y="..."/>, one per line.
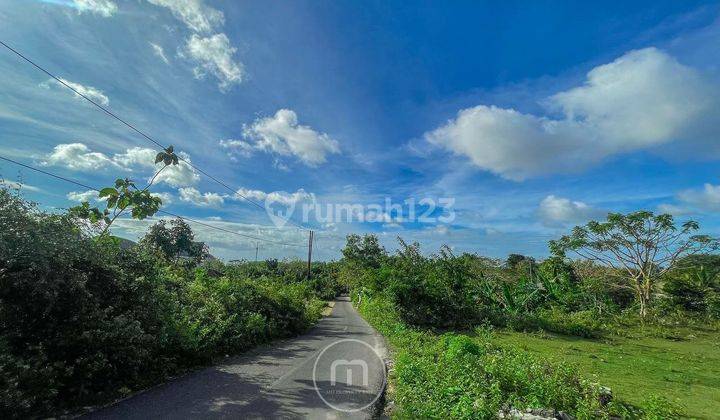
<point x="133" y="128"/>
<point x="80" y="184"/>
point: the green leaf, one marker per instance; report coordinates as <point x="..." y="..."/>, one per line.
<point x="108" y="192"/>
<point x="159" y="157"/>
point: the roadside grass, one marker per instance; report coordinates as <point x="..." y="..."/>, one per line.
<point x="685" y="369"/>
<point x="453" y="375"/>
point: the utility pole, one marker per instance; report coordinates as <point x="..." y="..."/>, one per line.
<point x="310" y="244"/>
<point x="257" y="245"/>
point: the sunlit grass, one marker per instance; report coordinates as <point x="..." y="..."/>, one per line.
<point x="686" y="369"/>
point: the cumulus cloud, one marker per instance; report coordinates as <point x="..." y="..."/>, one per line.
<point x="194" y="13"/>
<point x="208" y="199"/>
<point x="166" y="197"/>
<point x="280" y="197"/>
<point x="557" y="211"/>
<point x="160" y="52"/>
<point x="283" y="135"/>
<point x="79" y="157"/>
<point x="211" y="53"/>
<point x="104" y="8"/>
<point x="706" y="199"/>
<point x="80" y="196"/>
<point x="179" y="175"/>
<point x="214" y="55"/>
<point x="642" y="100"/>
<point x="88" y="91"/>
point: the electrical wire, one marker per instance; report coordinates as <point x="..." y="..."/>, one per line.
<point x="80" y="184"/>
<point x="132" y="127"/>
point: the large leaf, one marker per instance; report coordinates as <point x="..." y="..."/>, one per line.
<point x="108" y="192"/>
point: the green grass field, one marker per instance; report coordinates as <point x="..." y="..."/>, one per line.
<point x="686" y="369"/>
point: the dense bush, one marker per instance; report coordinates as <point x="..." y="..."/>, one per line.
<point x="694" y="289"/>
<point x="578" y="298"/>
<point x="83" y="320"/>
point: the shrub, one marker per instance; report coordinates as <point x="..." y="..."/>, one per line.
<point x="438" y="291"/>
<point x="693" y="288"/>
<point x="83" y="320"/>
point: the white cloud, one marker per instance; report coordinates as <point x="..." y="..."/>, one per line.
<point x="166" y="198"/>
<point x="80" y="196"/>
<point x="18" y="186"/>
<point x="89" y="91"/>
<point x="283" y="135"/>
<point x="238" y="147"/>
<point x="104" y="8"/>
<point x="642" y="100"/>
<point x="160" y="52"/>
<point x="192" y="195"/>
<point x="706" y="199"/>
<point x="92" y="195"/>
<point x="557" y="211"/>
<point x="194" y="13"/>
<point x="179" y="175"/>
<point x="77" y="156"/>
<point x="280" y="197"/>
<point x="214" y="55"/>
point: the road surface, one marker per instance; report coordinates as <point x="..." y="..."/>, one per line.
<point x="333" y="371"/>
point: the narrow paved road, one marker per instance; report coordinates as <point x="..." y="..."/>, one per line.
<point x="335" y="364"/>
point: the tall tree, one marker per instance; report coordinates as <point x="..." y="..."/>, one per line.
<point x="640" y="246"/>
<point x="175" y="242"/>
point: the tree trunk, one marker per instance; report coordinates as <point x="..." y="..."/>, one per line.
<point x="643" y="289"/>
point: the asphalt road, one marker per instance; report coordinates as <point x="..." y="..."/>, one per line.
<point x="333" y="371"/>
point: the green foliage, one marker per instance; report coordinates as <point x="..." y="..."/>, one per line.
<point x="457" y="376"/>
<point x="408" y="296"/>
<point x="657" y="407"/>
<point x="167" y="156"/>
<point x="364" y="251"/>
<point x="640" y="246"/>
<point x="175" y="242"/>
<point x="125" y="195"/>
<point x="694" y="289"/>
<point x="513" y="260"/>
<point x="439" y="291"/>
<point x="83" y="321"/>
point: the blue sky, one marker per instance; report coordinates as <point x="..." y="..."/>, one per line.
<point x="532" y="116"/>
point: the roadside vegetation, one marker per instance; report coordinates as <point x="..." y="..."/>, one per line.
<point x="84" y="320"/>
<point x="633" y="335"/>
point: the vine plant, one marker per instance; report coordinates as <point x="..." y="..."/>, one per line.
<point x="125" y="196"/>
